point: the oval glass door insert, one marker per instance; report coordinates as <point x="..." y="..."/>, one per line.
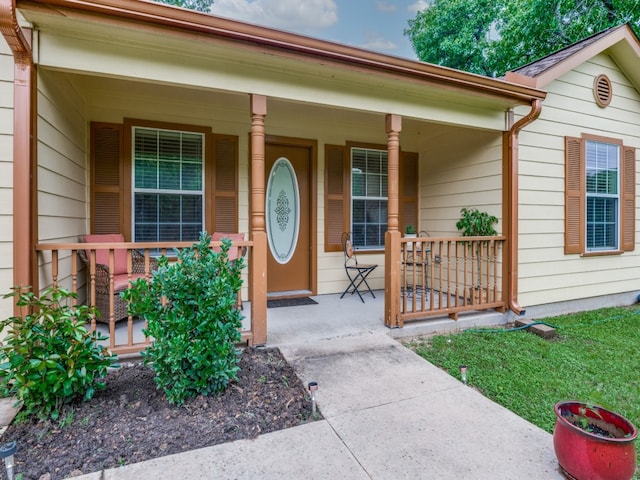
<point x="282" y="210"/>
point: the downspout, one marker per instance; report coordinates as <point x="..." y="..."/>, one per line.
<point x="20" y="46"/>
<point x="513" y="187"/>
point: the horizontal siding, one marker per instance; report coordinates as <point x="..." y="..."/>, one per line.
<point x="6" y="177"/>
<point x="62" y="168"/>
<point x="466" y="174"/>
<point x="546" y="274"/>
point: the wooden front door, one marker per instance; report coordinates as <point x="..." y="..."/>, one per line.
<point x="288" y="218"/>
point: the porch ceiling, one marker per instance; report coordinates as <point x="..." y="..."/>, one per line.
<point x="100" y="46"/>
<point x="109" y="99"/>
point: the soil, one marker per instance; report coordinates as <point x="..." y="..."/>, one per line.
<point x="130" y="421"/>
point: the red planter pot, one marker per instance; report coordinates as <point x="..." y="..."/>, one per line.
<point x="584" y="455"/>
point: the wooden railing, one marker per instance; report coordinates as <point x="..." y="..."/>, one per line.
<point x="446" y="276"/>
<point x="74" y="267"/>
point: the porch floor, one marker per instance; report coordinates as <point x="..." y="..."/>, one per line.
<point x="333" y="317"/>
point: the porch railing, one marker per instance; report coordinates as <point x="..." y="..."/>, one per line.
<point x="446" y="276"/>
<point x="60" y="266"/>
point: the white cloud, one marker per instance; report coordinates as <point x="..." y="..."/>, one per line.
<point x="419" y="6"/>
<point x="377" y="41"/>
<point x="286" y="14"/>
<point x="386" y="7"/>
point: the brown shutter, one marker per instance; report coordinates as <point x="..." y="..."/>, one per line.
<point x="409" y="191"/>
<point x="574" y="195"/>
<point x="336" y="194"/>
<point x="628" y="199"/>
<point x="106" y="178"/>
<point x="225" y="184"/>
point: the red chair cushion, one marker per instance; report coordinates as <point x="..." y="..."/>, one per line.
<point x="102" y="255"/>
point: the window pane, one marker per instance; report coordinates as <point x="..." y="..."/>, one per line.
<point x="169" y="175"/>
<point x="192" y="209"/>
<point x="169" y="145"/>
<point x="146" y="173"/>
<point x="169" y="209"/>
<point x="191" y="176"/>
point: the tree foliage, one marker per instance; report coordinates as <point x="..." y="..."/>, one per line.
<point x="491" y="37"/>
<point x="200" y="5"/>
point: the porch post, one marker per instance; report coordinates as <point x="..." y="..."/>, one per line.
<point x="392" y="236"/>
<point x="23" y="146"/>
<point x="258" y="267"/>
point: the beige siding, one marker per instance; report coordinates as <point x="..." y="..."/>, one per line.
<point x="6" y="176"/>
<point x="62" y="167"/>
<point x="468" y="173"/>
<point x="546" y="274"/>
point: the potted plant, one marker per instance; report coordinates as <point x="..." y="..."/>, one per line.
<point x="474" y="223"/>
<point x="410" y="232"/>
<point x="592" y="442"/>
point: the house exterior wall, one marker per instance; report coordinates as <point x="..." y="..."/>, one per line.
<point x="546" y="274"/>
<point x="6" y="176"/>
<point x="463" y="170"/>
<point x="62" y="173"/>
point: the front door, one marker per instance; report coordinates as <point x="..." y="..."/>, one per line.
<point x="288" y="218"/>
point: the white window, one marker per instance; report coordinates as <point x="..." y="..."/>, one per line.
<point x="602" y="196"/>
<point x="168" y="185"/>
<point x="369" y="198"/>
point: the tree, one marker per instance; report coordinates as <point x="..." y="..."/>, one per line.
<point x="200" y="5"/>
<point x="492" y="37"/>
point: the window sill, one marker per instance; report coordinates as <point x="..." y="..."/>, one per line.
<point x="602" y="253"/>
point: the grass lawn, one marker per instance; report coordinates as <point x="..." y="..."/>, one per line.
<point x="595" y="358"/>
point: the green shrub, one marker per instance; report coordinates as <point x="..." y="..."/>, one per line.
<point x="49" y="358"/>
<point x="191" y="313"/>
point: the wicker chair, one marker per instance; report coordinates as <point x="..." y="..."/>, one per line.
<point x="121" y="277"/>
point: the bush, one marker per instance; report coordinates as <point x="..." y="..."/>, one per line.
<point x="49" y="358"/>
<point x="191" y="313"/>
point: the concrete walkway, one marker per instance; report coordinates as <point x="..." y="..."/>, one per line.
<point x="388" y="414"/>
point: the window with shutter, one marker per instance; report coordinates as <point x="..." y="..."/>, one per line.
<point x="154" y="182"/>
<point x="356" y="194"/>
<point x="599" y="196"/>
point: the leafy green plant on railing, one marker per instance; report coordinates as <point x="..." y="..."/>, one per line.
<point x="474" y="223"/>
<point x="191" y="313"/>
<point x="49" y="358"/>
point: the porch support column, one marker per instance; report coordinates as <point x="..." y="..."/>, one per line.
<point x="510" y="210"/>
<point x="392" y="236"/>
<point x="23" y="147"/>
<point x="258" y="267"/>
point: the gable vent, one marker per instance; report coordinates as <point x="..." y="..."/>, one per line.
<point x="602" y="90"/>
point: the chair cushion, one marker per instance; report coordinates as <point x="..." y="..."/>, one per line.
<point x="234" y="252"/>
<point x="121" y="282"/>
<point x="102" y="255"/>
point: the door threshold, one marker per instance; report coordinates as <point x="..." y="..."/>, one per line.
<point x="289" y="294"/>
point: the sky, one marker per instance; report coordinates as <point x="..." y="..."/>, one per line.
<point x="376" y="25"/>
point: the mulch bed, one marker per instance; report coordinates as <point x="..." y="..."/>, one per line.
<point x="131" y="421"/>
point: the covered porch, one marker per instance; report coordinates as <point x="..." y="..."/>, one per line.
<point x="443" y="139"/>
